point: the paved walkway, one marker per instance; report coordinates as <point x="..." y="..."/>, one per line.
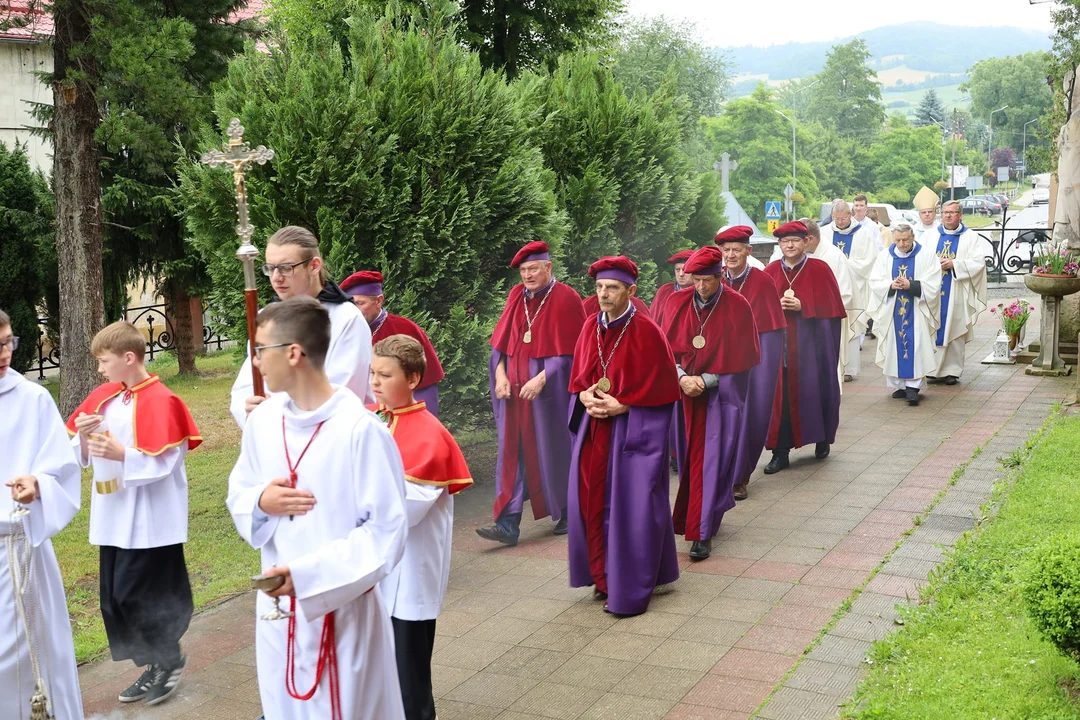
<point x="515" y="643"/>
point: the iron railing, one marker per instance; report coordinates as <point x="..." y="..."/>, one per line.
<point x="161" y="336"/>
<point x="1013" y="248"/>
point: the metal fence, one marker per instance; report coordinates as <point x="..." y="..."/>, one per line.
<point x="1014" y="248"/>
<point x="152" y="319"/>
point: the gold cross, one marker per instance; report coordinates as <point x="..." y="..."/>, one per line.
<point x="238" y="155"/>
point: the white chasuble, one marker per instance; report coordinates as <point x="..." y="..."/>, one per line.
<point x="337" y="553"/>
<point x="841" y="269"/>
<point x="859" y="246"/>
<point x="347" y="359"/>
<point x="33" y="441"/>
<point x="963" y="296"/>
<point x="905" y="323"/>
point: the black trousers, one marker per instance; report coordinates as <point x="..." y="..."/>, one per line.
<point x="146" y="603"/>
<point x="414" y="641"/>
<point x="786" y="438"/>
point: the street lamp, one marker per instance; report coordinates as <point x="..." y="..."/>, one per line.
<point x="1025" y="143"/>
<point x="792" y="148"/>
<point x="990" y="140"/>
<point x="943" y="131"/>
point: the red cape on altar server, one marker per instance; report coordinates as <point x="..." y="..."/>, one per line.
<point x="159" y="418"/>
<point x="429" y="452"/>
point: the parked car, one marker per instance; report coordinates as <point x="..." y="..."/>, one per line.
<point x="977" y="205"/>
<point x="992" y="202"/>
<point x="1041" y="196"/>
<point x="1003" y="199"/>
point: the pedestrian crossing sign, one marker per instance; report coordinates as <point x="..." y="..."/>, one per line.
<point x="772" y="209"/>
<point x="773" y="224"/>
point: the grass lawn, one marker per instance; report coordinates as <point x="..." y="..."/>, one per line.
<point x="972" y="652"/>
<point x="218" y="561"/>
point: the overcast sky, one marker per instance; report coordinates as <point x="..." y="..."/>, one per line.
<point x="731" y="23"/>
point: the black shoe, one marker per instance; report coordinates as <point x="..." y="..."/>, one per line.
<point x="899" y="394"/>
<point x="701" y="549"/>
<point x="933" y="379"/>
<point x="912" y="396"/>
<point x="497" y="534"/>
<point x="739" y="491"/>
<point x="821" y="450"/>
<point x="137" y="691"/>
<point x="952" y="380"/>
<point x="166" y="680"/>
<point x="779" y="462"/>
<point x="599" y="594"/>
<point x="870" y="335"/>
<point x="561" y="528"/>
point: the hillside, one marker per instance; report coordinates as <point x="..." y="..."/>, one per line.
<point x="915" y="46"/>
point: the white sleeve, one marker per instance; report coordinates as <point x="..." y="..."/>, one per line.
<point x="57" y="473"/>
<point x="419" y="499"/>
<point x="82" y="460"/>
<point x="242" y="389"/>
<point x="245" y="488"/>
<point x="349" y="358"/>
<point x="341" y="571"/>
<point x="142" y="469"/>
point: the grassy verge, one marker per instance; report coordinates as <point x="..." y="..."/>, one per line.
<point x="219" y="562"/>
<point x="972" y="652"/>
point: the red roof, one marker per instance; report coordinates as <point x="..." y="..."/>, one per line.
<point x="39" y="23"/>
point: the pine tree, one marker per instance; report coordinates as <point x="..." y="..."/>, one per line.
<point x="930" y="110"/>
<point x="25" y="226"/>
<point x="404" y="155"/>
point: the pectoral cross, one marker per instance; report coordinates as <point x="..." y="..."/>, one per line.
<point x="239" y="156"/>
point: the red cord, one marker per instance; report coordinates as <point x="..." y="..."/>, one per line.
<point x="288" y="460"/>
<point x="327" y="661"/>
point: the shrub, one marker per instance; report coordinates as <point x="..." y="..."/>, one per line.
<point x="1052" y="592"/>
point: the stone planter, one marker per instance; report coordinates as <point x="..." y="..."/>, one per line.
<point x="1052" y="288"/>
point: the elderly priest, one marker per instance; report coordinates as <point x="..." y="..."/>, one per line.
<point x="806" y="408"/>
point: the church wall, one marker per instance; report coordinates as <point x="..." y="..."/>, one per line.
<point x="19" y="86"/>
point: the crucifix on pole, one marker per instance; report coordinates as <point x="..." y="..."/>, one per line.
<point x="239" y="156"/>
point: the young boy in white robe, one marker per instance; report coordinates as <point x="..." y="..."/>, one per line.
<point x="136" y="433"/>
<point x="319" y="488"/>
<point x="436" y="471"/>
<point x="43" y="479"/>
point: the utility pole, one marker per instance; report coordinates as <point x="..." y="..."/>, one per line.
<point x="790" y="120"/>
<point x="952" y="181"/>
<point x="944" y="131"/>
<point x="1025" y="150"/>
<point x="990" y="138"/>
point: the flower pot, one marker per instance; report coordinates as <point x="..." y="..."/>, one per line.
<point x="1052" y="285"/>
<point x="1014" y="340"/>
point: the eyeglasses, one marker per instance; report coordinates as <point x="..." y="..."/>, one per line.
<point x="13" y="342"/>
<point x="790" y="240"/>
<point x="259" y="348"/>
<point x="285" y="269"/>
<point x="951" y="212"/>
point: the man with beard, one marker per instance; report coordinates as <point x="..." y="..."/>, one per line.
<point x="760" y="292"/>
<point x="806" y="408"/>
<point x="860" y="247"/>
<point x="532" y="349"/>
<point x="621" y="539"/>
<point x="904" y="289"/>
<point x="963" y="290"/>
<point x="714" y="338"/>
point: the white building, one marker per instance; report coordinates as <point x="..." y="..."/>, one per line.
<point x="24" y="51"/>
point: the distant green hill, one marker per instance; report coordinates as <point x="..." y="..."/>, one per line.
<point x="916" y="45"/>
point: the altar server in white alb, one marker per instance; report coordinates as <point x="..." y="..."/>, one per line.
<point x="860" y="247"/>
<point x="904" y="287"/>
<point x="136" y="433"/>
<point x="436" y="471"/>
<point x="43" y="479"/>
<point x="319" y="489"/>
<point x="961" y="253"/>
<point x="296" y="269"/>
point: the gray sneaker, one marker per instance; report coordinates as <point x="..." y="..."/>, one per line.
<point x="165" y="682"/>
<point x="138" y="689"/>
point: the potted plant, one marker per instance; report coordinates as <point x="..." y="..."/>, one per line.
<point x="1052" y="261"/>
<point x="1013" y="318"/>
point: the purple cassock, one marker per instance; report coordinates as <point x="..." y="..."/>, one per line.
<point x="759" y="403"/>
<point x="430" y="396"/>
<point x="640" y="551"/>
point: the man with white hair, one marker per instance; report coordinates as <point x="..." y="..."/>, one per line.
<point x="904" y="288"/>
<point x="842" y="272"/>
<point x="960" y="253"/>
<point x="860" y="248"/>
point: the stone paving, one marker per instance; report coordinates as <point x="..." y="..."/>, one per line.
<point x="516" y="643"/>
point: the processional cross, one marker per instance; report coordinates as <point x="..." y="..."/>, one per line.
<point x="239" y="156"/>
